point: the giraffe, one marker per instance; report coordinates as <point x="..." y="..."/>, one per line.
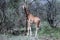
<point x="31" y="19"/>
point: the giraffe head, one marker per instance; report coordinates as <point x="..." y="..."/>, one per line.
<point x="24" y="6"/>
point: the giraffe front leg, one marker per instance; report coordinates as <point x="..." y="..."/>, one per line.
<point x="30" y="32"/>
<point x="36" y="31"/>
<point x="28" y="28"/>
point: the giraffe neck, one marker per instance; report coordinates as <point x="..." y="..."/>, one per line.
<point x="26" y="11"/>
